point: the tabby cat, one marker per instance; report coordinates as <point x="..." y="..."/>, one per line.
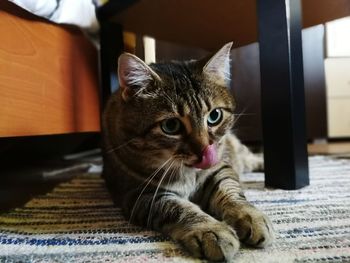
<point x="171" y="161"/>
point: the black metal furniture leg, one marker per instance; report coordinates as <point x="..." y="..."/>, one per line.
<point x="111" y="46"/>
<point x="282" y="92"/>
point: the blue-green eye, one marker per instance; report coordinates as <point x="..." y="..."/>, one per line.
<point x="171" y="126"/>
<point x="215" y="117"/>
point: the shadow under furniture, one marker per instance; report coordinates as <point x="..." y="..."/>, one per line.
<point x="275" y="24"/>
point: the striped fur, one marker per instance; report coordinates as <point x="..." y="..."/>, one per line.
<point x="151" y="174"/>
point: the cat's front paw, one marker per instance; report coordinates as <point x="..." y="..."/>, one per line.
<point x="213" y="241"/>
<point x="252" y="226"/>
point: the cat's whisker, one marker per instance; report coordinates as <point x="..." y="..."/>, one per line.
<point x="244" y="114"/>
<point x="239" y="115"/>
<point x="120" y="146"/>
<point x="174" y="172"/>
<point x="170" y="178"/>
<point x="173" y="80"/>
<point x="181" y="168"/>
<point x="167" y="97"/>
<point x="147" y="181"/>
<point x="157" y="170"/>
<point x="243" y="111"/>
<point x="139" y="92"/>
<point x="156" y="192"/>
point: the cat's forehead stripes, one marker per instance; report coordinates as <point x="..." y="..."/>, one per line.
<point x="182" y="110"/>
<point x="186" y="110"/>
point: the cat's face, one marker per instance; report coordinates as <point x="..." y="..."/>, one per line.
<point x="177" y="112"/>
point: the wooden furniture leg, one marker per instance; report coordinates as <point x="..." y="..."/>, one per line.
<point x="282" y="93"/>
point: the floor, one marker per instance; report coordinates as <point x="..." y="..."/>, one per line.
<point x="77" y="222"/>
<point x="332" y="148"/>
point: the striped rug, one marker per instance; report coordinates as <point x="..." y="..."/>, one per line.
<point x="77" y="222"/>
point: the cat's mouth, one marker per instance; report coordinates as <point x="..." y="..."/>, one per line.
<point x="208" y="159"/>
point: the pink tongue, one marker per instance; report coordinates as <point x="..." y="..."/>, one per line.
<point x="209" y="157"/>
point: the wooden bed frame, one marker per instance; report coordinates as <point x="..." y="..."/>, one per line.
<point x="48" y="77"/>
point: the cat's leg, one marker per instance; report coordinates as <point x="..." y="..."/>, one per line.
<point x="201" y="234"/>
<point x="221" y="195"/>
<point x="239" y="155"/>
<point x="252" y="161"/>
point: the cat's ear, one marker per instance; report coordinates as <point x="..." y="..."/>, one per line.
<point x="218" y="66"/>
<point x="134" y="75"/>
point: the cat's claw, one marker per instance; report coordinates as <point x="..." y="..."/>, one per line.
<point x="213" y="241"/>
<point x="252" y="226"/>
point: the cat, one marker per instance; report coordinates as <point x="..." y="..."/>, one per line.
<point x="171" y="161"/>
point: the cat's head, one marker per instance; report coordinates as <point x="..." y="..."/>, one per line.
<point x="176" y="111"/>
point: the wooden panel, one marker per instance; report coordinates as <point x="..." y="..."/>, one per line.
<point x="195" y="23"/>
<point x="209" y="24"/>
<point x="247" y="90"/>
<point x="314" y="82"/>
<point x="337" y="77"/>
<point x="246" y="86"/>
<point x="337" y="38"/>
<point x="48" y="77"/>
<point x="338" y="117"/>
<point x="320" y="11"/>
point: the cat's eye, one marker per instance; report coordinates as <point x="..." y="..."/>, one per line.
<point x="215" y="117"/>
<point x="171" y="126"/>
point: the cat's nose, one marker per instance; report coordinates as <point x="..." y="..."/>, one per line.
<point x="209" y="157"/>
<point x="198" y="142"/>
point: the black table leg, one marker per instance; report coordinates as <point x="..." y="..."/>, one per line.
<point x="282" y="92"/>
<point x="111" y="46"/>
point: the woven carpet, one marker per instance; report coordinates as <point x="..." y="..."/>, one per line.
<point x="77" y="222"/>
